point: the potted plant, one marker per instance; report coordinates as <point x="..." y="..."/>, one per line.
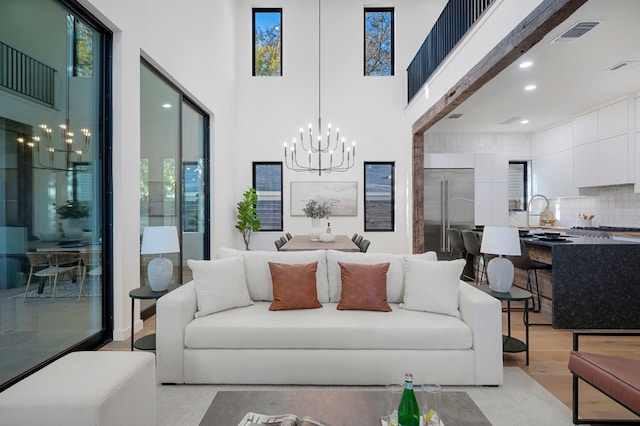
<point x="316" y="210"/>
<point x="248" y="221"/>
<point x="70" y="213"/>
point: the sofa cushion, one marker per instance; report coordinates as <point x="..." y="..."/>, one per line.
<point x="364" y="286"/>
<point x="294" y="286"/>
<point x="395" y="274"/>
<point x="433" y="286"/>
<point x="326" y="328"/>
<point x="220" y="284"/>
<point x="258" y="275"/>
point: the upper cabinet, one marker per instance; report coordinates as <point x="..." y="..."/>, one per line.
<point x="602" y="151"/>
<point x="585" y="128"/>
<point x="553" y="161"/>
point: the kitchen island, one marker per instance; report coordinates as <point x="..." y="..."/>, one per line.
<point x="594" y="282"/>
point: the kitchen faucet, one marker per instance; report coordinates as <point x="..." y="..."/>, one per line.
<point x="529" y="206"/>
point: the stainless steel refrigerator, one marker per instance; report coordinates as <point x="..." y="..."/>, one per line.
<point x="448" y="203"/>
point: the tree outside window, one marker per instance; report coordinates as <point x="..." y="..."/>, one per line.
<point x="378" y="42"/>
<point x="267" y="42"/>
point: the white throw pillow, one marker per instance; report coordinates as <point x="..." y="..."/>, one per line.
<point x="433" y="286"/>
<point x="220" y="285"/>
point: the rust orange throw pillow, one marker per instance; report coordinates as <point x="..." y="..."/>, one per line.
<point x="364" y="287"/>
<point x="294" y="286"/>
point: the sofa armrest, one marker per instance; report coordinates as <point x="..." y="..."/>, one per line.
<point x="174" y="311"/>
<point x="483" y="314"/>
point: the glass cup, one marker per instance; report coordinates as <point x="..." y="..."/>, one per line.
<point x="431" y="402"/>
<point x="394" y="395"/>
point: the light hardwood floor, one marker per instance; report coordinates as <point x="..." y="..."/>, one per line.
<point x="548" y="358"/>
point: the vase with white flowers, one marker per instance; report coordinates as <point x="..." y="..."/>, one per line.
<point x="316" y="210"/>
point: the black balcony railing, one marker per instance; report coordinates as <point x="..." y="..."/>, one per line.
<point x="26" y="76"/>
<point x="454" y="21"/>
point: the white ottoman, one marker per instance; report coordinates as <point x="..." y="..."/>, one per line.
<point x="85" y="388"/>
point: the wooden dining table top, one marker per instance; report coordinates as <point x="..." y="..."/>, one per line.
<point x="304" y="243"/>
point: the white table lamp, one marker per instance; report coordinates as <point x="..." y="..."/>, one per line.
<point x="503" y="241"/>
<point x="159" y="240"/>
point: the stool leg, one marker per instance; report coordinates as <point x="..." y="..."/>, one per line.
<point x="535" y="275"/>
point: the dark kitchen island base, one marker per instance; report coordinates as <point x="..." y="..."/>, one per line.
<point x="595" y="283"/>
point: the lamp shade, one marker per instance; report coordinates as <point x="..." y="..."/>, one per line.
<point x="160" y="239"/>
<point x="500" y="240"/>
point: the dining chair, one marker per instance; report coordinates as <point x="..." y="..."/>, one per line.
<point x="525" y="262"/>
<point x="455" y="242"/>
<point x="472" y="247"/>
<point x="359" y="240"/>
<point x="278" y="244"/>
<point x="52" y="265"/>
<point x="355" y="237"/>
<point x="284" y="240"/>
<point x="364" y="245"/>
<point x="289" y="236"/>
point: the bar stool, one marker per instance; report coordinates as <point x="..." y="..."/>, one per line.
<point x="525" y="262"/>
<point x="456" y="242"/>
<point x="472" y="247"/>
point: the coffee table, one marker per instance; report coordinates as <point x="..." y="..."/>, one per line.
<point x="334" y="407"/>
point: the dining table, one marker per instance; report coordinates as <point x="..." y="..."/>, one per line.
<point x="305" y="243"/>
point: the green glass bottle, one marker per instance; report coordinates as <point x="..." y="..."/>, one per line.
<point x="408" y="411"/>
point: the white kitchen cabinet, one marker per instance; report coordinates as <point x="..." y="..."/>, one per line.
<point x="552" y="163"/>
<point x="585" y="165"/>
<point x="553" y="175"/>
<point x="612" y="161"/>
<point x="585" y="128"/>
<point x="613" y="120"/>
<point x="605" y="161"/>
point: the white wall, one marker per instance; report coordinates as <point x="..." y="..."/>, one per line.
<point x="368" y="110"/>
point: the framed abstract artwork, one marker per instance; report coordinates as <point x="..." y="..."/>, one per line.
<point x="342" y="196"/>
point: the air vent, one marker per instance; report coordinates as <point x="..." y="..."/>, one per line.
<point x="625" y="65"/>
<point x="510" y="120"/>
<point x="575" y="32"/>
<point x="455" y="116"/>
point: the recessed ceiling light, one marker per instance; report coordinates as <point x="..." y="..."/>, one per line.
<point x="525" y="64"/>
<point x="166" y="105"/>
<point x="530" y="87"/>
<point x="525" y="121"/>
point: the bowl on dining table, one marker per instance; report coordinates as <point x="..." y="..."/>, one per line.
<point x="552" y="235"/>
<point x="327" y="238"/>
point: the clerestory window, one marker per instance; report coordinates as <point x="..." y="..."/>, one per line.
<point x="267" y="42"/>
<point x="378" y="41"/>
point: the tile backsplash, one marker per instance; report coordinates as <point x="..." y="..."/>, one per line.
<point x="612" y="206"/>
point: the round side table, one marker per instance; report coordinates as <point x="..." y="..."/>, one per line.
<point x="145" y="343"/>
<point x="511" y="344"/>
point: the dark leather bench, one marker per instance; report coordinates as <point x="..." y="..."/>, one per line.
<point x="618" y="378"/>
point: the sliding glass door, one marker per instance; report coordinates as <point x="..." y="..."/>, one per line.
<point x="173" y="171"/>
<point x="54" y="82"/>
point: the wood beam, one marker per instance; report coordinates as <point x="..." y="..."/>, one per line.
<point x="418" y="193"/>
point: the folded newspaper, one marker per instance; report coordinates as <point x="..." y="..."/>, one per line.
<point x="255" y="419"/>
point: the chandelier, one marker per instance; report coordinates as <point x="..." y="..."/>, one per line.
<point x="319" y="155"/>
<point x="345" y="156"/>
<point x="64" y="146"/>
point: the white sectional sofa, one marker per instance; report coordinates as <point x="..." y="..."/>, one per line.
<point x="326" y="346"/>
